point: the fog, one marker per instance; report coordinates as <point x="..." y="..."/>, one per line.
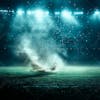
<point x="35" y="40"/>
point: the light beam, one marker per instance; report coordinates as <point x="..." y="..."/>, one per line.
<point x="68" y="17"/>
<point x="40" y="14"/>
<point x="96" y="15"/>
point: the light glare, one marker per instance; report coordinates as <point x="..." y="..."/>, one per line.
<point x="68" y="17"/>
<point x="20" y="12"/>
<point x="78" y="13"/>
<point x="66" y="14"/>
<point x="29" y="12"/>
<point x="97" y="12"/>
<point x="40" y="15"/>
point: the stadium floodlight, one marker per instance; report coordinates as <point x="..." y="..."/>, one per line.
<point x="96" y="15"/>
<point x="20" y="12"/>
<point x="97" y="12"/>
<point x="40" y="14"/>
<point x="3" y="11"/>
<point x="66" y="14"/>
<point x="78" y="13"/>
<point x="29" y="12"/>
<point x="68" y="17"/>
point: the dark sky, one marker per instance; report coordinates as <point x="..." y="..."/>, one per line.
<point x="86" y="4"/>
<point x="88" y="51"/>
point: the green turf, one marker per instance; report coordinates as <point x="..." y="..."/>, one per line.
<point x="63" y="77"/>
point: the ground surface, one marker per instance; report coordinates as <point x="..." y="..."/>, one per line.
<point x="70" y="81"/>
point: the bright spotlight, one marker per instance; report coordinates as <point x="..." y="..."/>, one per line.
<point x="97" y="12"/>
<point x="29" y="12"/>
<point x="68" y="17"/>
<point x="96" y="15"/>
<point x="66" y="14"/>
<point x="20" y="12"/>
<point x="3" y="11"/>
<point x="40" y="14"/>
<point x="78" y="13"/>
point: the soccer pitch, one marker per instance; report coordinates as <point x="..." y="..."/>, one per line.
<point x="72" y="76"/>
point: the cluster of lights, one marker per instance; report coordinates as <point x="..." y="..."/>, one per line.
<point x="6" y="11"/>
<point x="78" y="13"/>
<point x="20" y="12"/>
<point x="30" y="12"/>
<point x="37" y="12"/>
<point x="66" y="14"/>
<point x="40" y="13"/>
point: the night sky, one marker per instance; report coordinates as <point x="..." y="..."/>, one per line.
<point x="73" y="43"/>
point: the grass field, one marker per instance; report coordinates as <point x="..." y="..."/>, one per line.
<point x="70" y="76"/>
<point x="79" y="83"/>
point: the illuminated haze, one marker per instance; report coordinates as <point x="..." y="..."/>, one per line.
<point x="36" y="40"/>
